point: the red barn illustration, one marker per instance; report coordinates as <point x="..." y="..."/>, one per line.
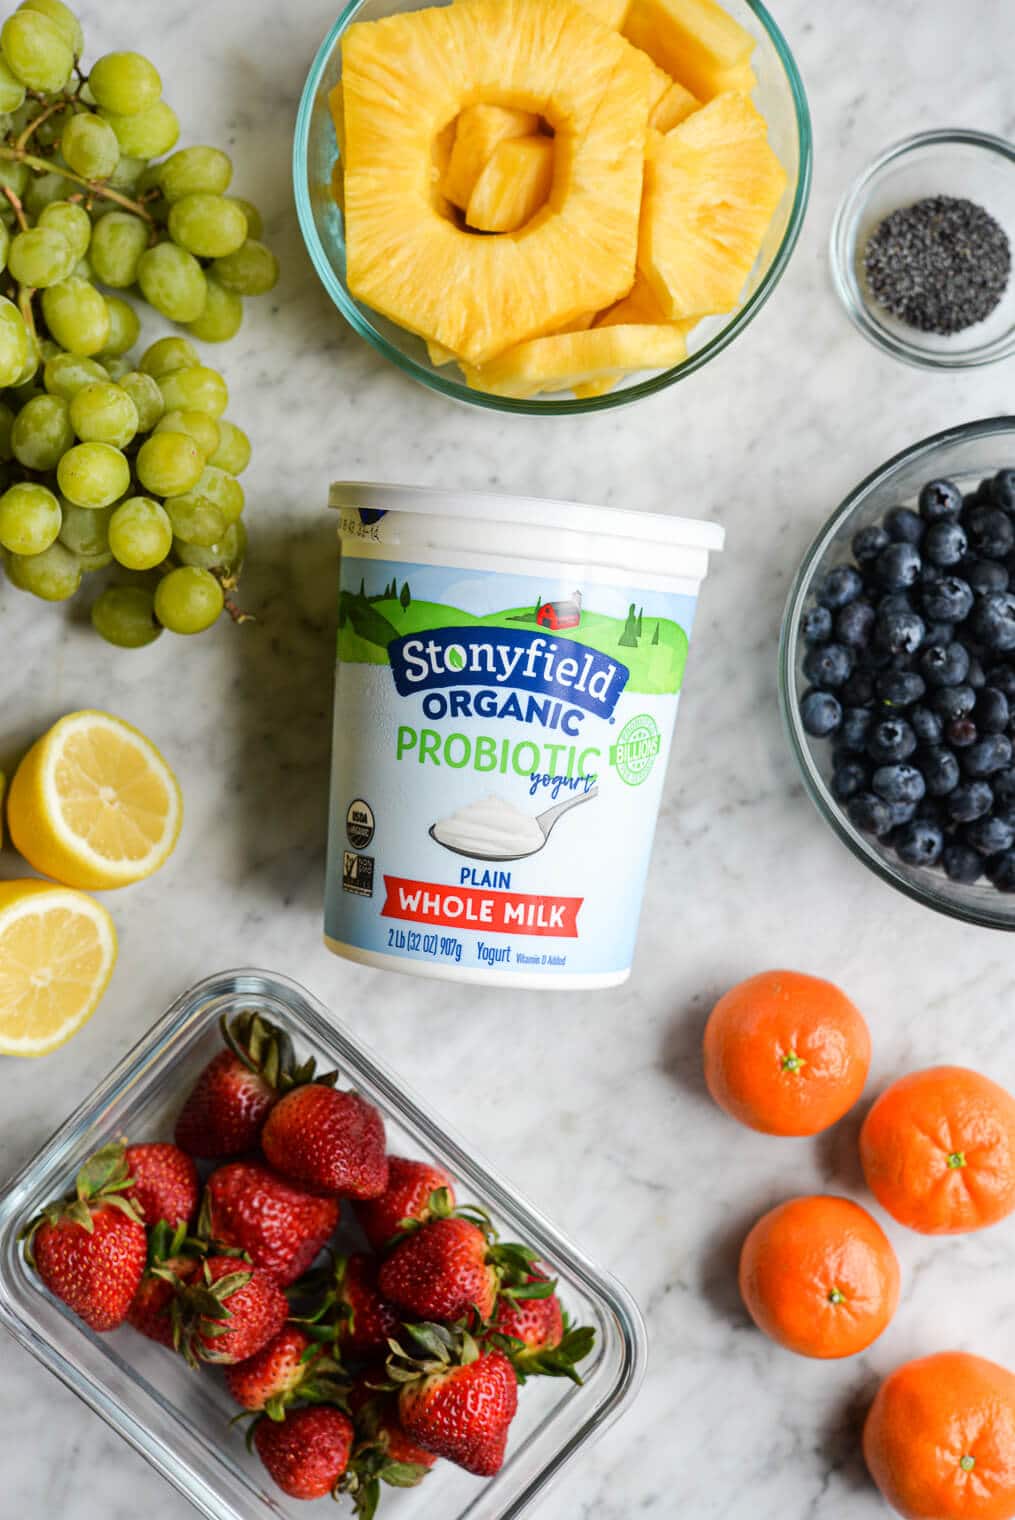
<point x="557" y="615"/>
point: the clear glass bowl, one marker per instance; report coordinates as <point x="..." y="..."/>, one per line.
<point x="780" y="96"/>
<point x="965" y="455"/>
<point x="969" y="165"/>
<point x="179" y="1420"/>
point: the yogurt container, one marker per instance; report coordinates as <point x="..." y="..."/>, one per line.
<point x="508" y="677"/>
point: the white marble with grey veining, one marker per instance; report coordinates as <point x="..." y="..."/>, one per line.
<point x="594" y="1105"/>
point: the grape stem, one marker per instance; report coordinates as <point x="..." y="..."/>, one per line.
<point x="94" y="187"/>
<point x="25" y="294"/>
<point x="56" y="105"/>
<point x="19" y="210"/>
<point x="235" y="613"/>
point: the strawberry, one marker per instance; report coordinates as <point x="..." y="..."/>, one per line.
<point x="328" y="1141"/>
<point x="454" y="1398"/>
<point x="307" y="1453"/>
<point x="90" y="1248"/>
<point x="291" y="1366"/>
<point x="441" y="1272"/>
<point x="281" y="1227"/>
<point x="416" y="1192"/>
<point x="229" y="1312"/>
<point x="165" y="1183"/>
<point x="174" y="1259"/>
<point x="383" y="1452"/>
<point x="534" y="1333"/>
<point x="367" y="1321"/>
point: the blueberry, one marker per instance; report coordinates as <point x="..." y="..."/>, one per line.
<point x="940" y="771"/>
<point x="989" y="835"/>
<point x="820" y="713"/>
<point x="945" y="544"/>
<point x="869" y="813"/>
<point x="868" y="543"/>
<point x="1003" y="678"/>
<point x="1002" y="490"/>
<point x="940" y="500"/>
<point x="990" y="532"/>
<point x="840" y="586"/>
<point x="993" y="621"/>
<point x="1004" y="787"/>
<point x="856" y="722"/>
<point x="951" y="702"/>
<point x="904" y="526"/>
<point x="950" y="601"/>
<point x="859" y="689"/>
<point x="962" y="733"/>
<point x="1002" y="871"/>
<point x="992" y="711"/>
<point x="985" y="575"/>
<point x="816" y="625"/>
<point x="890" y="741"/>
<point x="902" y="812"/>
<point x="919" y="843"/>
<point x="895" y="601"/>
<point x="848" y="778"/>
<point x="899" y="783"/>
<point x="945" y="666"/>
<point x="939" y="633"/>
<point x="828" y="665"/>
<point x="962" y="864"/>
<point x="972" y="799"/>
<point x="854" y="624"/>
<point x="897" y="566"/>
<point x="926" y="725"/>
<point x="987" y="756"/>
<point x="900" y="688"/>
<point x="977" y="677"/>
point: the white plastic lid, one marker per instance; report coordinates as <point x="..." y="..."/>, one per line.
<point x="533" y="511"/>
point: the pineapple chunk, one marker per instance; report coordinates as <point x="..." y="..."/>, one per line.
<point x="640" y="305"/>
<point x="674" y="107"/>
<point x="592" y="388"/>
<point x="405" y="77"/>
<point x="480" y="130"/>
<point x="561" y="362"/>
<point x="712" y="186"/>
<point x="695" y="41"/>
<point x="513" y="186"/>
<point x="611" y="13"/>
<point x="439" y="356"/>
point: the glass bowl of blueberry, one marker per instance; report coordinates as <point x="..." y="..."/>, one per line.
<point x="897" y="672"/>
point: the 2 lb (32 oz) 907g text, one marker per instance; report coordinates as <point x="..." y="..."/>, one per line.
<point x="443" y="947"/>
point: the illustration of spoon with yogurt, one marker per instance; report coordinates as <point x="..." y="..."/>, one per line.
<point x="493" y="829"/>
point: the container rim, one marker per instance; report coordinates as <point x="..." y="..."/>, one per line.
<point x="531" y="511"/>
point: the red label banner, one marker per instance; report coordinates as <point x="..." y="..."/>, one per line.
<point x="428" y="902"/>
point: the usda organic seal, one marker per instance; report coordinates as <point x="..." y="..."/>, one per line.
<point x="635" y="752"/>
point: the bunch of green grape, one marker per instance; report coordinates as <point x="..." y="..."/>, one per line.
<point x="103" y="460"/>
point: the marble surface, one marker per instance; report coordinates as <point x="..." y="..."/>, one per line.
<point x="593" y="1105"/>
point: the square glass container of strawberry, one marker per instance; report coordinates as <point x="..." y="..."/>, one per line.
<point x="179" y="1419"/>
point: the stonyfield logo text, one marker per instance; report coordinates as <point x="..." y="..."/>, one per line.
<point x="557" y="669"/>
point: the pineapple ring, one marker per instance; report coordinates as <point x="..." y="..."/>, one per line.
<point x="405" y="78"/>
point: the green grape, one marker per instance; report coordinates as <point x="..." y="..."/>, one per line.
<point x="146" y="396"/>
<point x="222" y="317"/>
<point x="233" y="452"/>
<point x="13" y="175"/>
<point x="77" y="316"/>
<point x="85" y="531"/>
<point x="29" y="518"/>
<point x="216" y="492"/>
<point x="14" y="345"/>
<point x="168" y="354"/>
<point x="209" y="226"/>
<point x="226" y="556"/>
<point x="173" y="282"/>
<point x="54" y="575"/>
<point x="195" y="521"/>
<point x="125" y="616"/>
<point x="65" y="374"/>
<point x="127" y="173"/>
<point x="255" y="224"/>
<point x="194" y="170"/>
<point x="148" y="134"/>
<point x="124" y="329"/>
<point x="197" y="425"/>
<point x="118" y="241"/>
<point x="84" y="271"/>
<point x="90" y="146"/>
<point x="5" y="244"/>
<point x="125" y="83"/>
<point x="48" y="350"/>
<point x="88" y="563"/>
<point x="36" y="51"/>
<point x="93" y="475"/>
<point x="104" y="413"/>
<point x="140" y="533"/>
<point x="117" y="365"/>
<point x="42" y="433"/>
<point x="12" y="91"/>
<point x="61" y="16"/>
<point x="168" y="464"/>
<point x="195" y="389"/>
<point x="43" y="189"/>
<point x="188" y="600"/>
<point x="6" y="428"/>
<point x="72" y="222"/>
<point x="24" y="386"/>
<point x="40" y="257"/>
<point x="251" y="271"/>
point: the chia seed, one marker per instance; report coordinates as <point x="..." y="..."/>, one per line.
<point x="940" y="265"/>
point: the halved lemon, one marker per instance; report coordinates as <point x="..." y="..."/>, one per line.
<point x="93" y="804"/>
<point x="57" y="952"/>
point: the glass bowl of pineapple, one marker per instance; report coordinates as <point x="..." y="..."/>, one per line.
<point x="485" y="204"/>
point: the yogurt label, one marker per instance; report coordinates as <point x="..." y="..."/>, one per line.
<point x="500" y="745"/>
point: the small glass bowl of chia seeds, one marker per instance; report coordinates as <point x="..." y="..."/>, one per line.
<point x="922" y="250"/>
